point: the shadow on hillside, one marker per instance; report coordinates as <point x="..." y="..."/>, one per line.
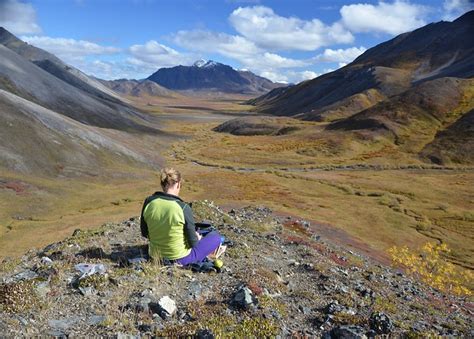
<point x="120" y="253"/>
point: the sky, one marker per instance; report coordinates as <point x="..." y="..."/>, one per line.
<point x="282" y="40"/>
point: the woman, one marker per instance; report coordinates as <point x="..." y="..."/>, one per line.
<point x="167" y="221"/>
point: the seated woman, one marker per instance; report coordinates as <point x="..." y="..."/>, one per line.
<point x="167" y="221"/>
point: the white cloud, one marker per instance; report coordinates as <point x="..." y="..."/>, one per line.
<point x="307" y="75"/>
<point x="455" y="8"/>
<point x="69" y="50"/>
<point x="18" y="17"/>
<point x="152" y="55"/>
<point x="268" y="30"/>
<point x="289" y="76"/>
<point x="117" y="69"/>
<point x="210" y="42"/>
<point x="235" y="47"/>
<point x="392" y="18"/>
<point x="340" y="55"/>
<point x="274" y="76"/>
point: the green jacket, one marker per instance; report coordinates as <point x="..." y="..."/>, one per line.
<point x="167" y="221"/>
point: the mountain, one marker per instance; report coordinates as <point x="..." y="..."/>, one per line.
<point x="54" y="65"/>
<point x="58" y="119"/>
<point x="211" y="75"/>
<point x="443" y="49"/>
<point x="137" y="88"/>
<point x="415" y="91"/>
<point x="413" y="118"/>
<point x="41" y="77"/>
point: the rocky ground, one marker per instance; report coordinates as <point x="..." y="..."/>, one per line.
<point x="278" y="279"/>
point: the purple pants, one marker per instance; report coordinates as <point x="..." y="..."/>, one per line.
<point x="202" y="249"/>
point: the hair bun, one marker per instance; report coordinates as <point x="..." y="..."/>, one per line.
<point x="168" y="177"/>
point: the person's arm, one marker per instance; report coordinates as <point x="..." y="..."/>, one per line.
<point x="143" y="224"/>
<point x="189" y="226"/>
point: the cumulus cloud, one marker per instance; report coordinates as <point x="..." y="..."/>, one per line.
<point x="307" y="75"/>
<point x="455" y="8"/>
<point x="290" y="76"/>
<point x="391" y="18"/>
<point x="18" y="17"/>
<point x="152" y="55"/>
<point x="69" y="49"/>
<point x="109" y="70"/>
<point x="340" y="55"/>
<point x="225" y="44"/>
<point x="236" y="47"/>
<point x="274" y="76"/>
<point x="268" y="30"/>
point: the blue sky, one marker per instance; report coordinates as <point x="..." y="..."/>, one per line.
<point x="284" y="40"/>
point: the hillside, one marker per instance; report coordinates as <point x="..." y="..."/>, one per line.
<point x="58" y="120"/>
<point x="279" y="278"/>
<point x="43" y="141"/>
<point x="442" y="49"/>
<point x="211" y="75"/>
<point x="412" y="119"/>
<point x="138" y="88"/>
<point x="52" y="64"/>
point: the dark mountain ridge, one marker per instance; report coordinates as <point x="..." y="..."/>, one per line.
<point x="211" y="75"/>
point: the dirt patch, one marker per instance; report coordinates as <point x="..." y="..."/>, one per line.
<point x="19" y="187"/>
<point x="335" y="235"/>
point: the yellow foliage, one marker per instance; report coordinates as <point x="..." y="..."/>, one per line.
<point x="430" y="266"/>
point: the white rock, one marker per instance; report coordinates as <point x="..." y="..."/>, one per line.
<point x="168" y="305"/>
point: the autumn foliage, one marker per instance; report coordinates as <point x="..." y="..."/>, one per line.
<point x="431" y="266"/>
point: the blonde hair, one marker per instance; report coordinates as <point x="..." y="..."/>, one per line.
<point x="168" y="177"/>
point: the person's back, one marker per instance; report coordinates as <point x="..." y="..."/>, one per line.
<point x="167" y="221"/>
<point x="164" y="216"/>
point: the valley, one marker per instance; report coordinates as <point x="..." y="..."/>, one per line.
<point x="393" y="199"/>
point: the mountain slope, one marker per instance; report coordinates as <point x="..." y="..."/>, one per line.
<point x="43" y="141"/>
<point x="453" y="144"/>
<point x="31" y="82"/>
<point x="138" y="88"/>
<point x="436" y="50"/>
<point x="52" y="64"/>
<point x="413" y="118"/>
<point x="211" y="75"/>
<point x="58" y="121"/>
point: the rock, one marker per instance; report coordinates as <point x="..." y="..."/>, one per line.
<point x="204" y="334"/>
<point x="57" y="333"/>
<point x="333" y="307"/>
<point x="46" y="261"/>
<point x="304" y="309"/>
<point x="22" y="320"/>
<point x="25" y="275"/>
<point x="87" y="291"/>
<point x="195" y="290"/>
<point x="323" y="322"/>
<point x="347" y="332"/>
<point x="96" y="319"/>
<point x="42" y="289"/>
<point x="143" y="304"/>
<point x="145" y="328"/>
<point x="165" y="307"/>
<point x="380" y="323"/>
<point x="244" y="298"/>
<point x="63" y="324"/>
